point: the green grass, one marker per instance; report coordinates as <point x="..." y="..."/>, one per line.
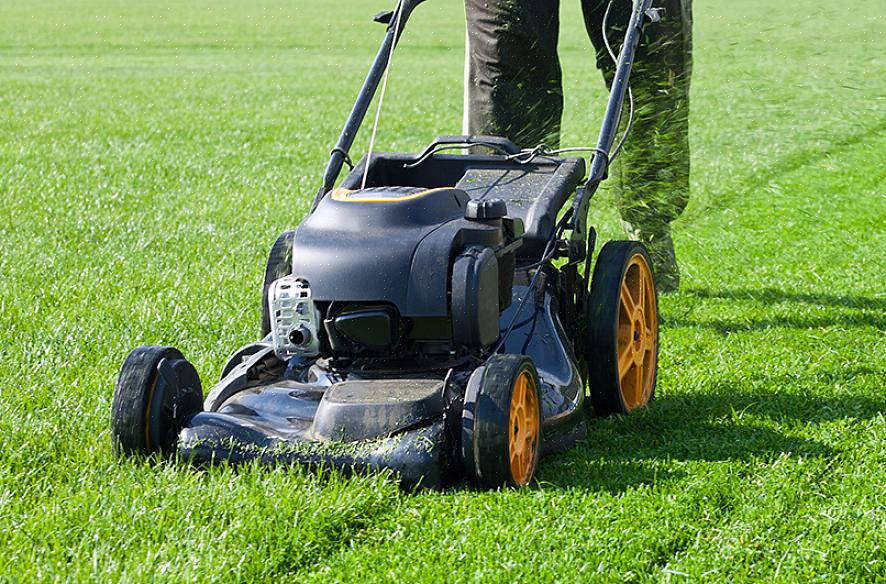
<point x="149" y="155"/>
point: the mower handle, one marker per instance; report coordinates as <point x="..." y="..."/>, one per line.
<point x="406" y="6"/>
<point x="497" y="142"/>
<point x="642" y="14"/>
<point x="395" y="22"/>
<point x="599" y="170"/>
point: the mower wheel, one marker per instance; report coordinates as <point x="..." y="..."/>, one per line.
<point x="279" y="265"/>
<point x="157" y="393"/>
<point x="501" y="423"/>
<point x="622" y="345"/>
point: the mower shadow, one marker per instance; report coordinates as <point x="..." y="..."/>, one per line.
<point x="721" y="423"/>
<point x="725" y="327"/>
<point x="873" y="315"/>
<point x="776" y="295"/>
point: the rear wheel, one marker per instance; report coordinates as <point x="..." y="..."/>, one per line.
<point x="622" y="345"/>
<point x="501" y="423"/>
<point x="279" y="264"/>
<point x="158" y="391"/>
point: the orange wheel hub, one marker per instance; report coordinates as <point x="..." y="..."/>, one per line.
<point x="637" y="333"/>
<point x="524" y="429"/>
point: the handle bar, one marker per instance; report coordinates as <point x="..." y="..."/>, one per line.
<point x="339" y="154"/>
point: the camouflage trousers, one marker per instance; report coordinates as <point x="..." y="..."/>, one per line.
<point x="514" y="88"/>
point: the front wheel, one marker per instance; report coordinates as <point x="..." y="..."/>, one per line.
<point x="158" y="391"/>
<point x="622" y="345"/>
<point x="501" y="423"/>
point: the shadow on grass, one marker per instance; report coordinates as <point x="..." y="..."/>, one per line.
<point x="726" y="327"/>
<point x="874" y="314"/>
<point x="726" y="422"/>
<point x="776" y="295"/>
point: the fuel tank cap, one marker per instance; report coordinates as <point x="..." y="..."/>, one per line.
<point x="485" y="209"/>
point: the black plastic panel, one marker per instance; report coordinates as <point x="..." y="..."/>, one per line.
<point x="533" y="192"/>
<point x="365" y="409"/>
<point x="475" y="310"/>
<point x="364" y="251"/>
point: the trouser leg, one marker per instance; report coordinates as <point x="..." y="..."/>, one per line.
<point x="513" y="79"/>
<point x="652" y="173"/>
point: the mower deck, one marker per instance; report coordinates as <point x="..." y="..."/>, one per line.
<point x="417" y="456"/>
<point x="358" y="425"/>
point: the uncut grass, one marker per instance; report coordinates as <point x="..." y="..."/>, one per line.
<point x="152" y="153"/>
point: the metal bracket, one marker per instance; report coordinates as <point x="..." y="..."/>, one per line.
<point x="347" y="157"/>
<point x="579" y="224"/>
<point x="655" y="14"/>
<point x="384" y="17"/>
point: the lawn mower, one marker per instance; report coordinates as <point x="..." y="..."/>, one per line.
<point x="433" y="315"/>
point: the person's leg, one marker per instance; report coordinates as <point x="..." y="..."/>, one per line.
<point x="513" y="81"/>
<point x="653" y="171"/>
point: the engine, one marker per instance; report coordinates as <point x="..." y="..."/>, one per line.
<point x="396" y="272"/>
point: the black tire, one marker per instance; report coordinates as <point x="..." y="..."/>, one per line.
<point x="617" y="328"/>
<point x="490" y="442"/>
<point x="279" y="265"/>
<point x="158" y="391"/>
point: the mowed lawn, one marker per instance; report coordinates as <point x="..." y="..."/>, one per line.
<point x="150" y="153"/>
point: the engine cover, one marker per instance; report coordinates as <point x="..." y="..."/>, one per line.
<point x="388" y="244"/>
<point x="403" y="271"/>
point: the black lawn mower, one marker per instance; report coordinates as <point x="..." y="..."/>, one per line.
<point x="434" y="315"/>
